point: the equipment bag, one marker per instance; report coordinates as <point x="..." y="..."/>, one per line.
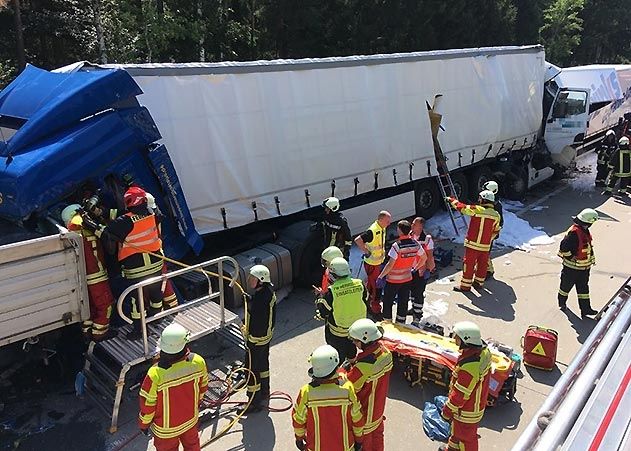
<point x="539" y="346"/>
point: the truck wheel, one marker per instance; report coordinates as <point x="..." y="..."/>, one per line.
<point x="516" y="184"/>
<point x="426" y="198"/>
<point x="478" y="177"/>
<point x="460" y="185"/>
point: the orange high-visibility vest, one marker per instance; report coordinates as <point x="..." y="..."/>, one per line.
<point x="407" y="249"/>
<point x="144" y="237"/>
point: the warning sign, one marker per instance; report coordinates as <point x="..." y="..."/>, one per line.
<point x="538" y="349"/>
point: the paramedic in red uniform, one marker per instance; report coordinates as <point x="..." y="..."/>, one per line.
<point x="171" y="393"/>
<point x="405" y="256"/>
<point x="483" y="228"/>
<point x="370" y="375"/>
<point x="99" y="291"/>
<point x="468" y="389"/>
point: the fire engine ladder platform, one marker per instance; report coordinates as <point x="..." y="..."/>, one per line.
<point x="590" y="405"/>
<point x="446" y="187"/>
<point x="108" y="362"/>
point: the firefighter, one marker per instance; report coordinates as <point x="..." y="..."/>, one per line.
<point x="406" y="255"/>
<point x="370" y="375"/>
<point x="336" y="230"/>
<point x="468" y="389"/>
<point x="99" y="291"/>
<point x="171" y="393"/>
<point x="578" y="257"/>
<point x="620" y="167"/>
<point x="372" y="244"/>
<point x="136" y="233"/>
<point x="260" y="318"/>
<point x="421" y="275"/>
<point x="327" y="415"/>
<point x="341" y="306"/>
<point x="493" y="187"/>
<point x="483" y="228"/>
<point x="326" y="257"/>
<point x="607" y="146"/>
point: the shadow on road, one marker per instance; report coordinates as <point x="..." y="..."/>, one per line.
<point x="503" y="416"/>
<point x="583" y="327"/>
<point x="544" y="377"/>
<point x="494" y="300"/>
<point x="258" y="433"/>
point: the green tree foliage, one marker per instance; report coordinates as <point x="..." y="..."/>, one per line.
<point x="59" y="32"/>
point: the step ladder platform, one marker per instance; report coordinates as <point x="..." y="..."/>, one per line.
<point x="201" y="320"/>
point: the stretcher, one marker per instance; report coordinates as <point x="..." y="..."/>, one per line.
<point x="431" y="357"/>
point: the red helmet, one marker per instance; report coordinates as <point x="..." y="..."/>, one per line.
<point x="135" y="196"/>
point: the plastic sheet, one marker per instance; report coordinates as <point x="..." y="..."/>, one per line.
<point x="434" y="426"/>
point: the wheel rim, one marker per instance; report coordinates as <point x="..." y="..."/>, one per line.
<point x="426" y="199"/>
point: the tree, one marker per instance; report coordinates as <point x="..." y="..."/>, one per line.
<point x="561" y="30"/>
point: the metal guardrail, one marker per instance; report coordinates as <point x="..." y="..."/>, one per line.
<point x="162" y="278"/>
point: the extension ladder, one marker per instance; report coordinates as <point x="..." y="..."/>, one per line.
<point x="446" y="186"/>
<point x="108" y="363"/>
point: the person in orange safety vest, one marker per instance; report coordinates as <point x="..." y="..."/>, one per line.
<point x="483" y="228"/>
<point x="327" y="415"/>
<point x="405" y="256"/>
<point x="468" y="389"/>
<point x="171" y="393"/>
<point x="99" y="291"/>
<point x="370" y="375"/>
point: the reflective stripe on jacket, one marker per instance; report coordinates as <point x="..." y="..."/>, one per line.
<point x="583" y="258"/>
<point x="377" y="245"/>
<point x="469" y="387"/>
<point x="348" y="305"/>
<point x="407" y="250"/>
<point x="144" y="237"/>
<point x="483" y="227"/>
<point x="620" y="163"/>
<point x="169" y="397"/>
<point x="371" y="377"/>
<point x="327" y="414"/>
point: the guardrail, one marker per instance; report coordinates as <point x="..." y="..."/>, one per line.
<point x="162" y="278"/>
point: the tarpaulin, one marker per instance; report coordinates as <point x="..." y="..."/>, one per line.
<point x="434" y="426"/>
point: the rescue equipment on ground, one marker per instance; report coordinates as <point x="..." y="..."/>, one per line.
<point x="434" y="425"/>
<point x="540" y="347"/>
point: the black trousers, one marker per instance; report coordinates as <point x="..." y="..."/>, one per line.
<point x="418" y="295"/>
<point x="400" y="291"/>
<point x="624" y="181"/>
<point x="602" y="170"/>
<point x="571" y="278"/>
<point x="344" y="347"/>
<point x="258" y="385"/>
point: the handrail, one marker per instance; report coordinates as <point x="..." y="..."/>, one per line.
<point x="163" y="277"/>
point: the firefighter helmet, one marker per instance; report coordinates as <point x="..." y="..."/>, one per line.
<point x="332" y="203"/>
<point x="340" y="267"/>
<point x="468" y="332"/>
<point x="329" y="254"/>
<point x="151" y="201"/>
<point x="487" y="195"/>
<point x="69" y="212"/>
<point x="135" y="196"/>
<point x="624" y="141"/>
<point x="261" y="272"/>
<point x="174" y="338"/>
<point x="324" y="361"/>
<point x="365" y="330"/>
<point x="588" y="216"/>
<point x="492" y="186"/>
<point x="610" y="133"/>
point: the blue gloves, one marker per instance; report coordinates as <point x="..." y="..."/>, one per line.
<point x="381" y="282"/>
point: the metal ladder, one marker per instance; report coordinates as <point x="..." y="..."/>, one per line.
<point x="446" y="187"/>
<point x="108" y="362"/>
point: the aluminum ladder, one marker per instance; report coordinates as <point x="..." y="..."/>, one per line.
<point x="108" y="362"/>
<point x="446" y="186"/>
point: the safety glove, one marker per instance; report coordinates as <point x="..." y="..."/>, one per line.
<point x="381" y="282"/>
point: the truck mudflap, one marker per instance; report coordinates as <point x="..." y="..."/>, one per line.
<point x="170" y="184"/>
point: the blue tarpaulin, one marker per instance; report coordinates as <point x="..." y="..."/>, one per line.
<point x="434" y="426"/>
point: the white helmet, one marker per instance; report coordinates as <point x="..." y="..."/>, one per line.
<point x="332" y="202"/>
<point x="468" y="332"/>
<point x="151" y="201"/>
<point x="588" y="216"/>
<point x="487" y="195"/>
<point x="330" y="253"/>
<point x="492" y="186"/>
<point x="174" y="338"/>
<point x="610" y="133"/>
<point x="365" y="330"/>
<point x="340" y="267"/>
<point x="68" y="213"/>
<point x="624" y="141"/>
<point x="261" y="273"/>
<point x="324" y="361"/>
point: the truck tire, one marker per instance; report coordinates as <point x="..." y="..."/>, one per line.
<point x="477" y="178"/>
<point x="426" y="198"/>
<point x="460" y="185"/>
<point x="516" y="184"/>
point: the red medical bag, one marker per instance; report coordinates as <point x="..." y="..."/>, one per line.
<point x="540" y="347"/>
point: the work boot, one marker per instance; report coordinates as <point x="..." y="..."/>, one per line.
<point x="562" y="306"/>
<point x="477" y="285"/>
<point x="106" y="336"/>
<point x="588" y="312"/>
<point x="460" y="289"/>
<point x="376" y="316"/>
<point x="489" y="275"/>
<point x="136" y="332"/>
<point x="607" y="193"/>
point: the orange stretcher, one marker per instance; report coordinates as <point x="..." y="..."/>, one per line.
<point x="432" y="357"/>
